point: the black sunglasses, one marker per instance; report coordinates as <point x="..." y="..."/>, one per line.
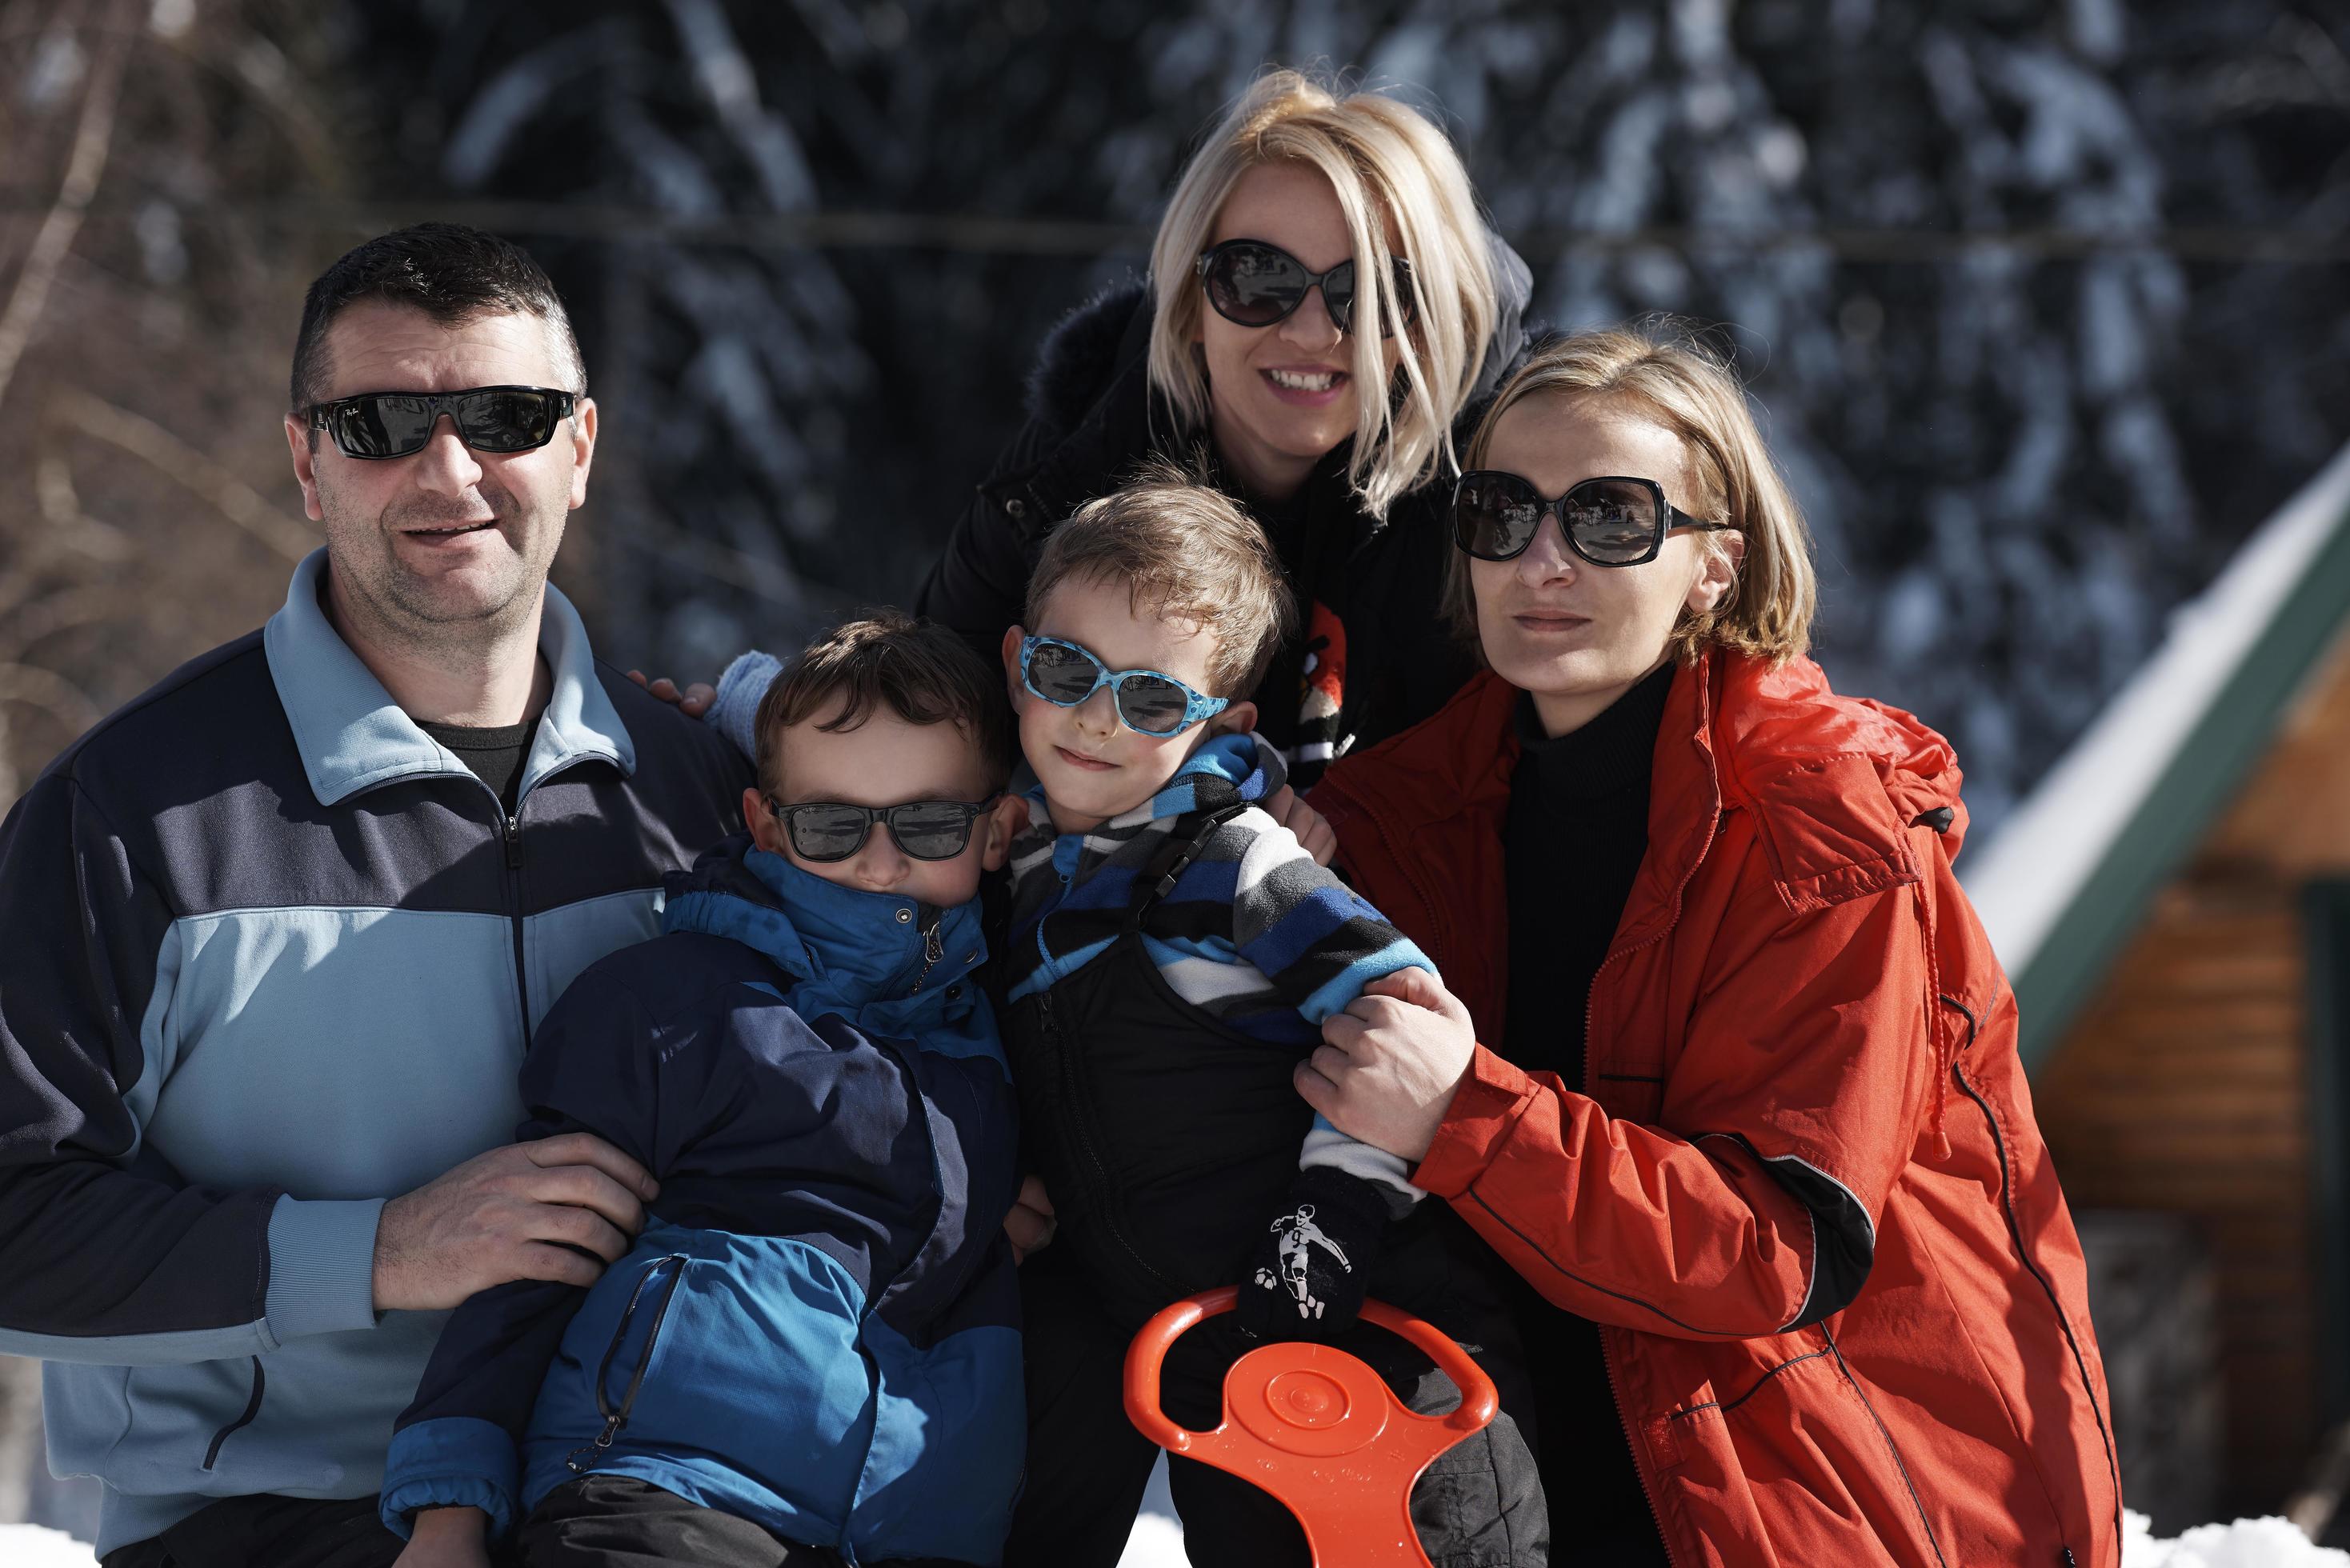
<point x="826" y="830"/>
<point x="1253" y="284"/>
<point x="1609" y="522"/>
<point x="377" y="425"/>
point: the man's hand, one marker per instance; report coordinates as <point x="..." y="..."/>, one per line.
<point x="693" y="701"/>
<point x="447" y="1538"/>
<point x="559" y="1208"/>
<point x="1030" y="1225"/>
<point x="1386" y="1067"/>
<point x="1307" y="825"/>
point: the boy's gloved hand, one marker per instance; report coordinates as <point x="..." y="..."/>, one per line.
<point x="1312" y="1262"/>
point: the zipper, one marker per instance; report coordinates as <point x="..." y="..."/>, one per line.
<point x="1899" y="1464"/>
<point x="2023" y="1255"/>
<point x="1590" y="1075"/>
<point x="933" y="949"/>
<point x="615" y="1419"/>
<point x="1076" y="1119"/>
<point x="252" y="1409"/>
<point x="512" y="834"/>
<point x="918" y="1106"/>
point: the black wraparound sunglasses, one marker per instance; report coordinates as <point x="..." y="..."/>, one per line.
<point x="826" y="830"/>
<point x="1253" y="284"/>
<point x="379" y="425"/>
<point x="1609" y="522"/>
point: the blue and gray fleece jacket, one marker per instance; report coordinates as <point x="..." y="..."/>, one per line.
<point x="273" y="955"/>
<point x="818" y="1328"/>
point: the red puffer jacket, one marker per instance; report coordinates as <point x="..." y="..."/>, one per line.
<point x="1800" y="1187"/>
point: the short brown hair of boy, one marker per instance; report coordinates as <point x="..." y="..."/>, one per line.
<point x="1184" y="551"/>
<point x="924" y="673"/>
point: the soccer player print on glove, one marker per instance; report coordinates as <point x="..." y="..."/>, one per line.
<point x="1312" y="1261"/>
<point x="1297" y="1233"/>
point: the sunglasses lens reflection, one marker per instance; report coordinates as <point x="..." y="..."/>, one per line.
<point x="931" y="829"/>
<point x="1613" y="523"/>
<point x="1254" y="286"/>
<point x="1062" y="674"/>
<point x="1494" y="516"/>
<point x="827" y="832"/>
<point x="506" y="421"/>
<point x="1152" y="705"/>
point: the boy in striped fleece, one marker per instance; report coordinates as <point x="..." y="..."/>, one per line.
<point x="1171" y="953"/>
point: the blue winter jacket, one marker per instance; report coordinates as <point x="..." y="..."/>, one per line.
<point x="818" y="1328"/>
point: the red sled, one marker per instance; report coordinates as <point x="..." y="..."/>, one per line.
<point x="1318" y="1429"/>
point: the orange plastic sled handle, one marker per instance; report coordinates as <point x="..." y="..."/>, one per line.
<point x="1318" y="1429"/>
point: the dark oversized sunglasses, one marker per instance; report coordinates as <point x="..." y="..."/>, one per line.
<point x="1609" y="522"/>
<point x="825" y="830"/>
<point x="1253" y="284"/>
<point x="1149" y="702"/>
<point x="377" y="425"/>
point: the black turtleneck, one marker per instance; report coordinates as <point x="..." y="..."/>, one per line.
<point x="1577" y="830"/>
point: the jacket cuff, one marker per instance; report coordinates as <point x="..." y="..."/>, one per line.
<point x="454" y="1461"/>
<point x="1483" y="1113"/>
<point x="735" y="714"/>
<point x="321" y="1266"/>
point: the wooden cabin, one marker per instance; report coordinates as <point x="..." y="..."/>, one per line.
<point x="2173" y="907"/>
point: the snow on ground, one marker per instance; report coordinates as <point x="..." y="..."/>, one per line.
<point x="1157" y="1543"/>
<point x="2247" y="1543"/>
<point x="31" y="1546"/>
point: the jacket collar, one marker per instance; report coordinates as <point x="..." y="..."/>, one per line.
<point x="353" y="736"/>
<point x="855" y="952"/>
<point x="1227" y="770"/>
<point x="1737" y="733"/>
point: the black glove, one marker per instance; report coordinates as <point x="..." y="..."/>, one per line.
<point x="1312" y="1263"/>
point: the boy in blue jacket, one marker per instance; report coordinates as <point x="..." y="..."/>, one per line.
<point x="811" y="1354"/>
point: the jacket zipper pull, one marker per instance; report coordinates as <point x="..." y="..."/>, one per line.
<point x="514" y="842"/>
<point x="604" y="1440"/>
<point x="933" y="949"/>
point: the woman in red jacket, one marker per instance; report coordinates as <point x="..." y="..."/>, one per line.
<point x="1731" y="1078"/>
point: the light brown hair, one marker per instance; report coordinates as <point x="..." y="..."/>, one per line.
<point x="1184" y="551"/>
<point x="1395" y="172"/>
<point x="921" y="671"/>
<point x="1662" y="370"/>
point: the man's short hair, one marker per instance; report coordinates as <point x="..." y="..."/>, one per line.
<point x="923" y="672"/>
<point x="1185" y="551"/>
<point x="452" y="273"/>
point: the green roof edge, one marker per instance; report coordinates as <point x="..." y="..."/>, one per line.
<point x="2199" y="782"/>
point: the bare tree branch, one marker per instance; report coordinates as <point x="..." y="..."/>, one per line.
<point x="92" y="137"/>
<point x="144" y="439"/>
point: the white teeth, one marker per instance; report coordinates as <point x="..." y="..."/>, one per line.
<point x="1302" y="381"/>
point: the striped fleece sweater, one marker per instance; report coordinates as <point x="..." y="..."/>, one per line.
<point x="1253" y="933"/>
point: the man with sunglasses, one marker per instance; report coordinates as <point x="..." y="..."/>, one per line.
<point x="280" y="930"/>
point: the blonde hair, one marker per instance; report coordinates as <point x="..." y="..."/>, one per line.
<point x="1662" y="370"/>
<point x="1182" y="551"/>
<point x="1390" y="167"/>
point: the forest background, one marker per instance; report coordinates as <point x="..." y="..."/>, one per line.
<point x="2044" y="302"/>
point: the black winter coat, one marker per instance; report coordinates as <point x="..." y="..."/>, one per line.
<point x="1372" y="655"/>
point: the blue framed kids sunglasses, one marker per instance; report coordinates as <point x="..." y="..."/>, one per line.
<point x="1147" y="702"/>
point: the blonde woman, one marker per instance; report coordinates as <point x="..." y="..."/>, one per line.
<point x="1323" y="304"/>
<point x="1726" y="1069"/>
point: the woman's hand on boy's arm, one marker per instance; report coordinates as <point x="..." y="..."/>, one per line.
<point x="1387" y="1066"/>
<point x="1031" y="1223"/>
<point x="1308" y="826"/>
<point x="693" y="701"/>
<point x="448" y="1538"/>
